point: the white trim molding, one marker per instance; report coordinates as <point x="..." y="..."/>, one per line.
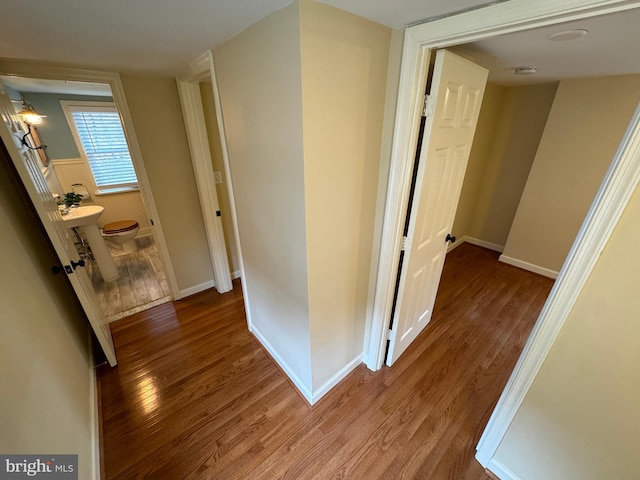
<point x="475" y="241"/>
<point x="546" y="272"/>
<point x="335" y="379"/>
<point x="46" y="71"/>
<point x="67" y="161"/>
<point x="195" y="125"/>
<point x="202" y="69"/>
<point x="500" y="471"/>
<point x="310" y="396"/>
<point x="495" y="19"/>
<point x="481" y="243"/>
<point x="297" y="381"/>
<point x="195" y="289"/>
<point x="620" y="181"/>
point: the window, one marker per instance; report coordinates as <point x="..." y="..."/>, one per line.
<point x="97" y="130"/>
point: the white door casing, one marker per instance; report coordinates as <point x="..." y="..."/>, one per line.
<point x="27" y="164"/>
<point x="619" y="184"/>
<point x="457" y="91"/>
<point x="203" y="69"/>
<point x="54" y="72"/>
<point x="193" y="113"/>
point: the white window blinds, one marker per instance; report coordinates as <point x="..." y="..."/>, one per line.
<point x="102" y="138"/>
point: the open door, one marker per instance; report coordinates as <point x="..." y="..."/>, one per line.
<point x="27" y="163"/>
<point x="452" y="110"/>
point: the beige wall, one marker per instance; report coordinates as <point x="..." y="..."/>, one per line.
<point x="303" y="95"/>
<point x="344" y="68"/>
<point x="213" y="134"/>
<point x="579" y="420"/>
<point x="490" y="111"/>
<point x="45" y="405"/>
<point x="157" y="117"/>
<point x="509" y="130"/>
<point x="261" y="93"/>
<point x="585" y="126"/>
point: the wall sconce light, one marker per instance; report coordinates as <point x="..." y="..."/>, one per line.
<point x="30" y="117"/>
<point x="29" y="114"/>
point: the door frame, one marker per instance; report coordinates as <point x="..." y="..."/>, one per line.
<point x="203" y="69"/>
<point x="50" y="72"/>
<point x="194" y="122"/>
<point x="619" y="183"/>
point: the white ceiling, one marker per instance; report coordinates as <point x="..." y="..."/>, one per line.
<point x="400" y="13"/>
<point x="161" y="36"/>
<point x="610" y="48"/>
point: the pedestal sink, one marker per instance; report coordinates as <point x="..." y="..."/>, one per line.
<point x="86" y="217"/>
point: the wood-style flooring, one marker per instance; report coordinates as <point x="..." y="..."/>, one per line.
<point x="194" y="395"/>
<point x="140" y="286"/>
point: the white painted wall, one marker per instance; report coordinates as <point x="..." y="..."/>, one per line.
<point x="261" y="94"/>
<point x="45" y="381"/>
<point x="512" y="120"/>
<point x="580" y="420"/>
<point x="303" y="98"/>
<point x="215" y="147"/>
<point x="157" y="116"/>
<point x="344" y="69"/>
<point x="586" y="123"/>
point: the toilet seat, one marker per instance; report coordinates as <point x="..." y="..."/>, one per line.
<point x="119" y="227"/>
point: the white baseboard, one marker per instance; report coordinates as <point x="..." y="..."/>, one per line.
<point x="235" y="275"/>
<point x="481" y="243"/>
<point x="195" y="289"/>
<point x="476" y="241"/>
<point x="529" y="266"/>
<point x="299" y="384"/>
<point x="337" y="378"/>
<point x="500" y="471"/>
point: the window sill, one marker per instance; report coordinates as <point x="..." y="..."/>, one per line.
<point x="115" y="190"/>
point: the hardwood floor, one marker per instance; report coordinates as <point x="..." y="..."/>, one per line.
<point x="194" y="395"/>
<point x="140" y="286"/>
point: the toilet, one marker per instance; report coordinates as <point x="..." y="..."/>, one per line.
<point x="120" y="236"/>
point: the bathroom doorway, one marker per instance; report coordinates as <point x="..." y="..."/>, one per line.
<point x="78" y="117"/>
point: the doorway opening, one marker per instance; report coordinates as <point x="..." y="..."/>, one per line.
<point x="592" y="236"/>
<point x="87" y="155"/>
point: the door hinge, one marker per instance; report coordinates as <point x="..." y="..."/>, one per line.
<point x="389" y="332"/>
<point x="405" y="244"/>
<point x="429" y="106"/>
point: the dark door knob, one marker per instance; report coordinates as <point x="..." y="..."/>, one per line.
<point x="450" y="238"/>
<point x="80" y="263"/>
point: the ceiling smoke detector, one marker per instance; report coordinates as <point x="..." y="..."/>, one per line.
<point x="567" y="35"/>
<point x="525" y="70"/>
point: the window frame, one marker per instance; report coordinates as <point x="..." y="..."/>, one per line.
<point x="67" y="106"/>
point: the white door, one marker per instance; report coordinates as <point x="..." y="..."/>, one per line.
<point x="27" y="162"/>
<point x="456" y="96"/>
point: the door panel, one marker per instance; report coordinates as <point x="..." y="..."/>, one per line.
<point x="27" y="163"/>
<point x="458" y="87"/>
